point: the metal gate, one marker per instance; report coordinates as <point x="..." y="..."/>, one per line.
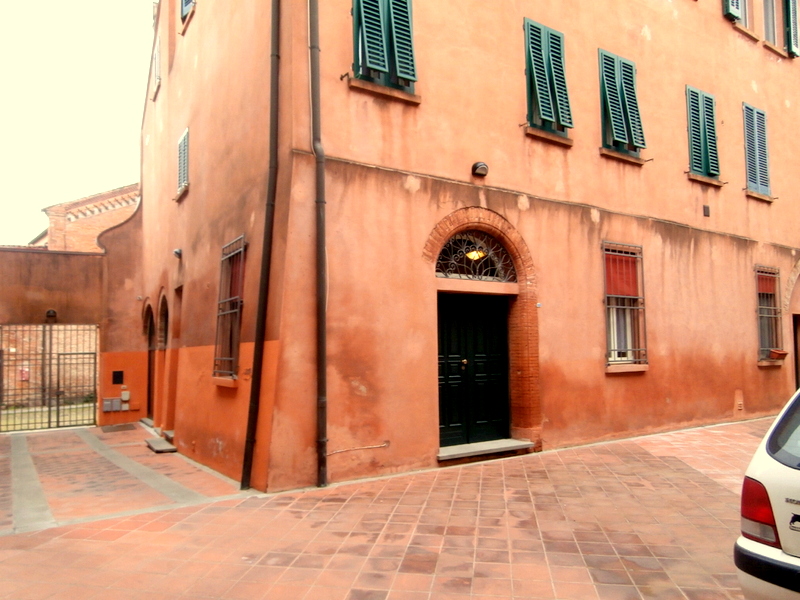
<point x="48" y="376"/>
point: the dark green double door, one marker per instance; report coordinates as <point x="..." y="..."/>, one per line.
<point x="473" y="368"/>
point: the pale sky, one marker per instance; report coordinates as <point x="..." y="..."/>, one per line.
<point x="74" y="76"/>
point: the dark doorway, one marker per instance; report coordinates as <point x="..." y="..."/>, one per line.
<point x="473" y="368"/>
<point x="152" y="345"/>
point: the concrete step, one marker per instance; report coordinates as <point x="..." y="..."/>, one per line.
<point x="169" y="435"/>
<point x="146" y="421"/>
<point x="160" y="445"/>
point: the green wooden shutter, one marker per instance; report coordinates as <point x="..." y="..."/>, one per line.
<point x="631" y="102"/>
<point x="611" y="96"/>
<point x="402" y="39"/>
<point x="694" y="111"/>
<point x="710" y="130"/>
<point x="732" y="9"/>
<point x="538" y="80"/>
<point x="755" y="147"/>
<point x="559" y="77"/>
<point x="763" y="156"/>
<point x="186" y="6"/>
<point x="183" y="161"/>
<point x="792" y="33"/>
<point x="370" y="40"/>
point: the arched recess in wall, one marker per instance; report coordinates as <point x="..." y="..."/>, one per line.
<point x="163" y="323"/>
<point x="523" y="326"/>
<point x="149" y="330"/>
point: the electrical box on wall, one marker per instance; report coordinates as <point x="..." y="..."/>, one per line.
<point x="112" y="404"/>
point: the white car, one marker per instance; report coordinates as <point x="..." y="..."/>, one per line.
<point x="767" y="554"/>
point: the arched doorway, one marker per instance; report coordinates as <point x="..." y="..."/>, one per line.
<point x="473" y="342"/>
<point x="487" y="315"/>
<point x="150" y="331"/>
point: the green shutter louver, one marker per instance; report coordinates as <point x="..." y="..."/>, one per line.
<point x="792" y="33"/>
<point x="183" y="161"/>
<point x="732" y="9"/>
<point x="559" y="77"/>
<point x="763" y="162"/>
<point x="535" y="36"/>
<point x="403" y="39"/>
<point x="610" y="91"/>
<point x="695" y="118"/>
<point x="631" y="102"/>
<point x="186" y="6"/>
<point x="701" y="115"/>
<point x="371" y="35"/>
<point x="755" y="144"/>
<point x="710" y="129"/>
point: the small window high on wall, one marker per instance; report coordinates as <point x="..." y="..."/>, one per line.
<point x="624" y="293"/>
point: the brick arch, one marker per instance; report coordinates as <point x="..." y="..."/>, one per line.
<point x="523" y="318"/>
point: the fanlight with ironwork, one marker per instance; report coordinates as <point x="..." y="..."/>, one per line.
<point x="475" y="255"/>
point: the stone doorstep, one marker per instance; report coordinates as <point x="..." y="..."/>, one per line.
<point x="160" y="445"/>
<point x="480" y="448"/>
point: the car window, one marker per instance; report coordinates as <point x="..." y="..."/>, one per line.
<point x="784" y="443"/>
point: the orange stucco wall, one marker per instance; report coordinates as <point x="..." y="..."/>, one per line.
<point x="397" y="171"/>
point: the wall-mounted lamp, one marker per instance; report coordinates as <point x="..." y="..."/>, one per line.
<point x="178" y="253"/>
<point x="480" y="169"/>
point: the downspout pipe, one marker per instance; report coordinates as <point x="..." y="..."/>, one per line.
<point x="321" y="258"/>
<point x="266" y="248"/>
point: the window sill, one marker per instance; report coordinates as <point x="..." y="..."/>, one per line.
<point x="705" y="180"/>
<point x="622" y="157"/>
<point x="225" y="382"/>
<point x="746" y="32"/>
<point x="546" y="136"/>
<point x="757" y="196"/>
<point x="770" y="363"/>
<point x="181" y="193"/>
<point x="382" y="91"/>
<point x="773" y="48"/>
<point x="627" y="368"/>
<point x="188" y="19"/>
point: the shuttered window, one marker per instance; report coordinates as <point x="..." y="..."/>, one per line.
<point x="755" y="148"/>
<point x="734" y="9"/>
<point x="186" y="8"/>
<point x="701" y="113"/>
<point x="791" y="28"/>
<point x="548" y="99"/>
<point x="622" y="122"/>
<point x="624" y="299"/>
<point x="383" y="42"/>
<point x="183" y="162"/>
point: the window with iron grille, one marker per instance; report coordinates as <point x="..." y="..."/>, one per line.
<point x="548" y="99"/>
<point x="383" y="43"/>
<point x="229" y="309"/>
<point x="769" y="311"/>
<point x="183" y="162"/>
<point x="624" y="294"/>
<point x="622" y="122"/>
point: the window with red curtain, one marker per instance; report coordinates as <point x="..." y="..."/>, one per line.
<point x="625" y="326"/>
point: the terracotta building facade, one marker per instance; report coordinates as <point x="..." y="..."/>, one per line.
<point x="370" y="245"/>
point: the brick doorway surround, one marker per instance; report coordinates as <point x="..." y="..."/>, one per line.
<point x="523" y="319"/>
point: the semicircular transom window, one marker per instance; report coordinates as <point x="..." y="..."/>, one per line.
<point x="475" y="255"/>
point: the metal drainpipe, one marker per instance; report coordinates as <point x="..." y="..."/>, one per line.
<point x="322" y="274"/>
<point x="266" y="249"/>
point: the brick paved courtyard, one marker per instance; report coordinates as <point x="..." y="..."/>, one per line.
<point x="653" y="517"/>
